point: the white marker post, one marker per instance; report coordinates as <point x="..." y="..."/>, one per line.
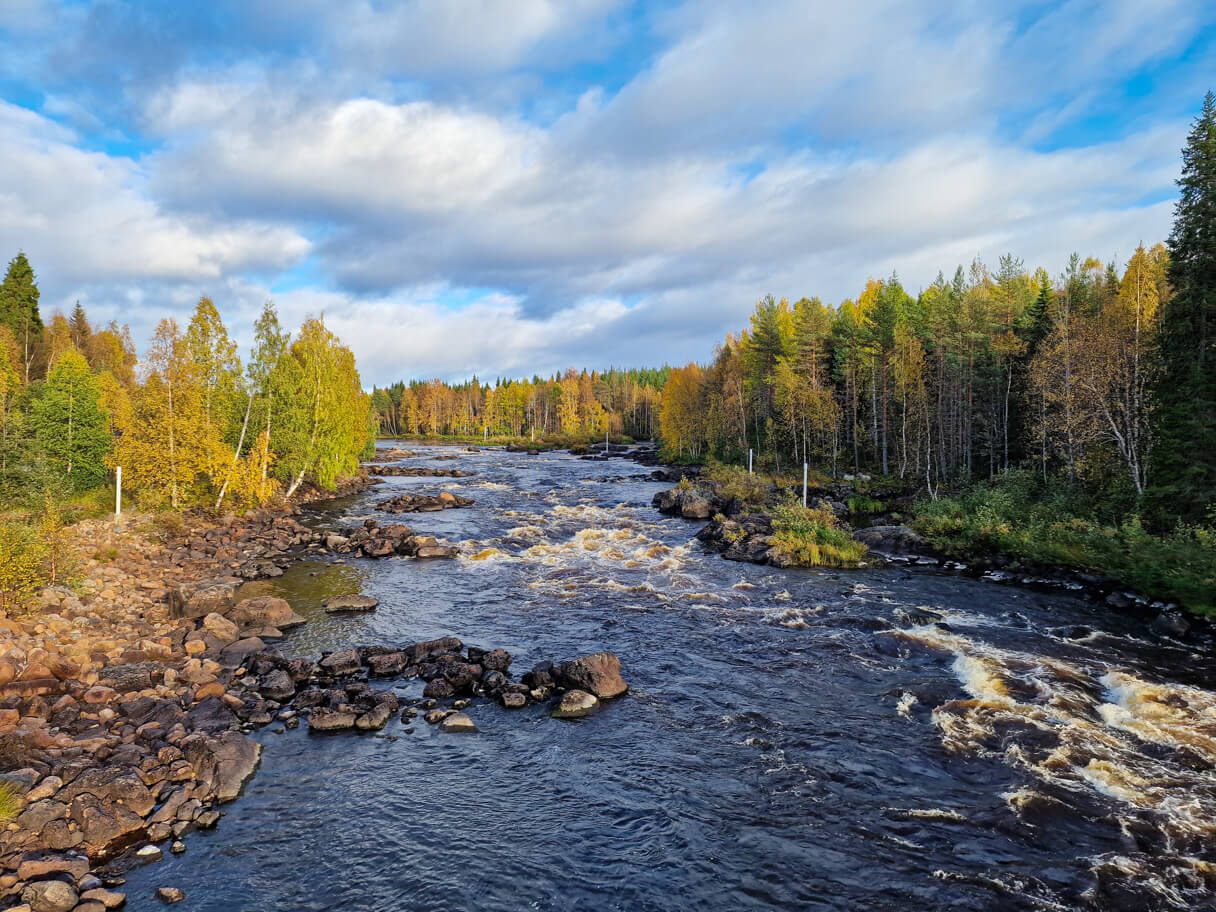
<point x="749" y="460"/>
<point x="485" y="433"/>
<point x="118" y="495"/>
<point x="804" y="486"/>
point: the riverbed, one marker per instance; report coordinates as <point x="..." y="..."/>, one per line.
<point x="885" y="739"/>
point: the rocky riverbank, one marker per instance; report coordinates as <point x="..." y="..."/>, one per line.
<point x="744" y="532"/>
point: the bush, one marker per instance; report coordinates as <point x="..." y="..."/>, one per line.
<point x="21" y="556"/>
<point x="737" y="483"/>
<point x="10" y="802"/>
<point x="1045" y="522"/>
<point x="810" y="538"/>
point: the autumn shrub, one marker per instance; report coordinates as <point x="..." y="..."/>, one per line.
<point x="737" y="483"/>
<point x="21" y="566"/>
<point x="811" y="538"/>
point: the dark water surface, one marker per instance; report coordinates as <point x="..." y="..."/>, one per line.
<point x="874" y="740"/>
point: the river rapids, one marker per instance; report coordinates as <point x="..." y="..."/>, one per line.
<point x="885" y="739"/>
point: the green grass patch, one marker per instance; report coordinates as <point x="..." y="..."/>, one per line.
<point x="810" y="538"/>
<point x="1021" y="516"/>
<point x="860" y="505"/>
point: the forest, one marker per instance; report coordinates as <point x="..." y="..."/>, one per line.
<point x="189" y="423"/>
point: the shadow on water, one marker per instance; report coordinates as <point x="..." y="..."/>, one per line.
<point x="878" y="740"/>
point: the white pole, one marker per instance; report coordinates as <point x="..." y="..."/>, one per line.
<point x="485" y="433"/>
<point x="118" y="495"/>
<point x="534" y="433"/>
<point x="749" y="460"/>
<point x="804" y="486"/>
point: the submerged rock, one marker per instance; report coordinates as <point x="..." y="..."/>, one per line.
<point x="350" y="604"/>
<point x="457" y="723"/>
<point x="574" y="704"/>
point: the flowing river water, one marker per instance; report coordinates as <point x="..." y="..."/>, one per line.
<point x="839" y="740"/>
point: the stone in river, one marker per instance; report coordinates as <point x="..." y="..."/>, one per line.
<point x="513" y="700"/>
<point x="376" y="717"/>
<point x="170" y="895"/>
<point x="321" y="719"/>
<point x="457" y="723"/>
<point x="349" y="604"/>
<point x="598" y="674"/>
<point x="341" y="663"/>
<point x="574" y="704"/>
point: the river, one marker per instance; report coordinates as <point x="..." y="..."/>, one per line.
<point x="885" y="739"/>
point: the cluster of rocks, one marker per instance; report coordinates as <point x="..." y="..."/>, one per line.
<point x="336" y="691"/>
<point x="388" y="454"/>
<point x="424" y="503"/>
<point x="117" y="728"/>
<point x="417" y="472"/>
<point x="374" y="540"/>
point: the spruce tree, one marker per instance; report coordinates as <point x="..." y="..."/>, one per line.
<point x="19" y="309"/>
<point x="1184" y="461"/>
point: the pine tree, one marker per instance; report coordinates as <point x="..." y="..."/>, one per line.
<point x="1184" y="461"/>
<point x="19" y="309"/>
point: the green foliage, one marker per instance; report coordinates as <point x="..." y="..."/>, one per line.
<point x="72" y="430"/>
<point x="860" y="505"/>
<point x="1184" y="460"/>
<point x="1050" y="523"/>
<point x="811" y="538"/>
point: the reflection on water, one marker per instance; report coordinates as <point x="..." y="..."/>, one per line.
<point x="871" y="740"/>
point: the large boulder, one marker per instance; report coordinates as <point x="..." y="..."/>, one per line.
<point x="891" y="540"/>
<point x="323" y="719"/>
<point x="117" y="785"/>
<point x="224" y="763"/>
<point x="49" y="896"/>
<point x="345" y="662"/>
<point x="598" y="674"/>
<point x="351" y="604"/>
<point x="105" y="828"/>
<point x="199" y="599"/>
<point x="265" y="611"/>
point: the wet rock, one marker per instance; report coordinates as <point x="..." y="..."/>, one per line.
<point x="891" y="540"/>
<point x="598" y="674"/>
<point x="170" y="895"/>
<point x="457" y="723"/>
<point x="232" y="655"/>
<point x="351" y="604"/>
<point x="574" y="704"/>
<point x="1171" y="624"/>
<point x="327" y="720"/>
<point x="108" y="899"/>
<point x="513" y="700"/>
<point x="391" y="663"/>
<point x="277" y="685"/>
<point x="49" y="896"/>
<point x="439" y="687"/>
<point x="417" y="472"/>
<point x="376" y="717"/>
<point x="342" y="663"/>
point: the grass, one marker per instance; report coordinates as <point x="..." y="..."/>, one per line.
<point x="10" y="802"/>
<point x="810" y="538"/>
<point x="1021" y="516"/>
<point x="860" y="505"/>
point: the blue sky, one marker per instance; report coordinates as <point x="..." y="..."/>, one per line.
<point x="470" y="186"/>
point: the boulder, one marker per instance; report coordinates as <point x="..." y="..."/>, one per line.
<point x="345" y="662"/>
<point x="574" y="704"/>
<point x="105" y="828"/>
<point x="265" y="611"/>
<point x="322" y="719"/>
<point x="391" y="663"/>
<point x="277" y="685"/>
<point x="350" y="604"/>
<point x="131" y="676"/>
<point x="115" y="784"/>
<point x="891" y="540"/>
<point x="376" y="717"/>
<point x="170" y="895"/>
<point x="1171" y="624"/>
<point x="49" y="896"/>
<point x="598" y="674"/>
<point x="224" y="763"/>
<point x="457" y="723"/>
<point x="196" y="600"/>
<point x="221" y="628"/>
<point x="210" y="715"/>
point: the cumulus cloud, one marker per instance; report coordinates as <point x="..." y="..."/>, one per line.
<point x="591" y="181"/>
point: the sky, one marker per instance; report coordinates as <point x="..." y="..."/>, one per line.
<point x="509" y="187"/>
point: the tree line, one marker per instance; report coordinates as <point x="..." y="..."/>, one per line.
<point x="1104" y="375"/>
<point x="575" y="404"/>
<point x="189" y="423"/>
